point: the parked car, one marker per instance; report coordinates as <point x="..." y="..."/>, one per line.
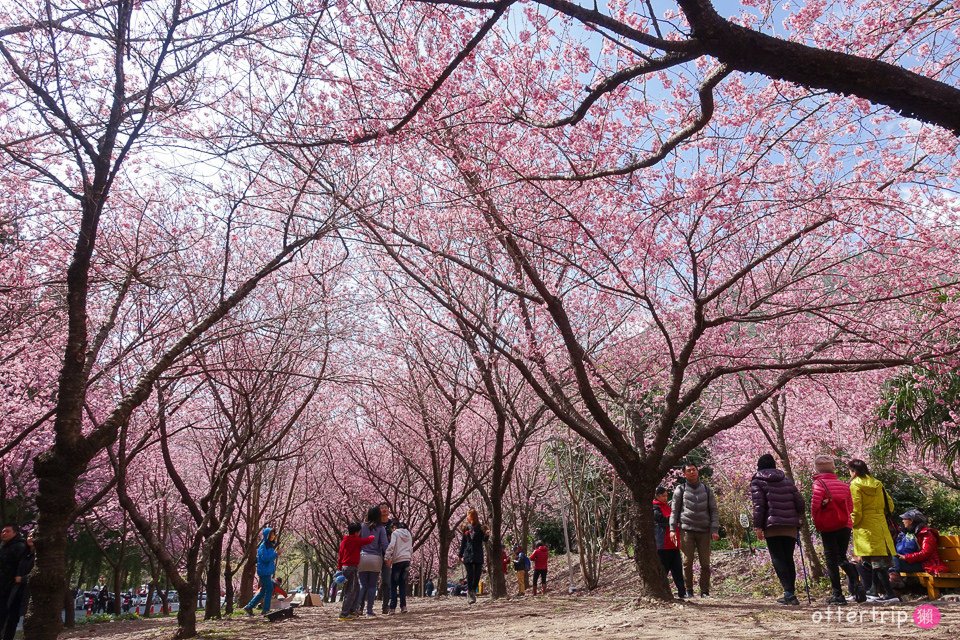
<point x="85" y="600"/>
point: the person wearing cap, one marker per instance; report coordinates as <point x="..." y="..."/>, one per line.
<point x="832" y="508"/>
<point x="777" y="515"/>
<point x="927" y="558"/>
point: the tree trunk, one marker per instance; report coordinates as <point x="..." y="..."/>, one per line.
<point x="442" y="561"/>
<point x="117" y="584"/>
<point x="653" y="579"/>
<point x="56" y="502"/>
<point x="228" y="573"/>
<point x="247" y="575"/>
<point x="806" y="539"/>
<point x="69" y="610"/>
<point x="212" y="609"/>
<point x="498" y="582"/>
<point x="151" y="589"/>
<point x="187" y="614"/>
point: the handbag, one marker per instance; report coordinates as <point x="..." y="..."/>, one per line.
<point x="370" y="562"/>
<point x="892" y="523"/>
<point x="832" y="513"/>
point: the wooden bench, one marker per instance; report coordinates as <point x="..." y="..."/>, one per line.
<point x="949" y="550"/>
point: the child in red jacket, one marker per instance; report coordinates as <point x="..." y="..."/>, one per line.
<point x="347" y="562"/>
<point x="539" y="559"/>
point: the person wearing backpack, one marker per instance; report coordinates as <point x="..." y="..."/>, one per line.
<point x="521" y="564"/>
<point x="694" y="511"/>
<point x="831" y="508"/>
<point x="916" y="549"/>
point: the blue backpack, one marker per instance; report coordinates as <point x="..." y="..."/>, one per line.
<point x="907" y="543"/>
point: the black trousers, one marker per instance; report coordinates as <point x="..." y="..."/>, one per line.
<point x="474" y="570"/>
<point x="781" y="553"/>
<point x="11" y="603"/>
<point x="835" y="545"/>
<point x="673" y="565"/>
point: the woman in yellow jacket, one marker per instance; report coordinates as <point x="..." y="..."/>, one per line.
<point x="872" y="541"/>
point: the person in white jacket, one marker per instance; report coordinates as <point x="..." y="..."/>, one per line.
<point x="399" y="553"/>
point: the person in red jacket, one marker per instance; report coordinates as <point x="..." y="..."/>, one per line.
<point x="278" y="589"/>
<point x="927" y="558"/>
<point x="539" y="559"/>
<point x="832" y="507"/>
<point x="667" y="540"/>
<point x="348" y="560"/>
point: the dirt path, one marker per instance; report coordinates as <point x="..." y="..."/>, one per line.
<point x="556" y="617"/>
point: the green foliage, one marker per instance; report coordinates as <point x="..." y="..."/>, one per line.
<point x="99" y="618"/>
<point x="550" y="530"/>
<point x="917" y="405"/>
<point x="940" y="504"/>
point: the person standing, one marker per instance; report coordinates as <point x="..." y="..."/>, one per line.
<point x="667" y="540"/>
<point x="694" y="511"/>
<point x="777" y="515"/>
<point x="371" y="560"/>
<point x="13" y="578"/>
<point x="831" y="507"/>
<point x="348" y="558"/>
<point x="872" y="541"/>
<point x="266" y="567"/>
<point x="471" y="552"/>
<point x="540" y="559"/>
<point x="521" y="564"/>
<point x="398" y="556"/>
<point x="386" y="571"/>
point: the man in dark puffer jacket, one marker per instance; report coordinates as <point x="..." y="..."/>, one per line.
<point x="777" y="514"/>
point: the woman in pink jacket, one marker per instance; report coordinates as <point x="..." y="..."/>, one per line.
<point x="831" y="507"/>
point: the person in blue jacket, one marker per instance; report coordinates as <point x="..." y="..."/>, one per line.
<point x="266" y="567"/>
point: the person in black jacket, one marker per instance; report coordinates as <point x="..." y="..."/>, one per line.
<point x="13" y="572"/>
<point x="778" y="512"/>
<point x="471" y="552"/>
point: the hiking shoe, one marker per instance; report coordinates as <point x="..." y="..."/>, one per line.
<point x="705" y="596"/>
<point x="837" y="599"/>
<point x="249" y="611"/>
<point x="403" y="609"/>
<point x="391" y="612"/>
<point x="788" y="601"/>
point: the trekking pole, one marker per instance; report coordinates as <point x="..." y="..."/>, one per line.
<point x="803" y="563"/>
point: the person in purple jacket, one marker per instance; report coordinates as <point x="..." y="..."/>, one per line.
<point x="777" y="515"/>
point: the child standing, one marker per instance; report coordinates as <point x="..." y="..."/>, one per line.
<point x="347" y="561"/>
<point x="521" y="564"/>
<point x="667" y="540"/>
<point x="539" y="558"/>
<point x="399" y="554"/>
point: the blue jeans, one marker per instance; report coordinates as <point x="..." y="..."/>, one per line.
<point x="266" y="591"/>
<point x="398" y="584"/>
<point x="368" y="590"/>
<point x="907" y="567"/>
